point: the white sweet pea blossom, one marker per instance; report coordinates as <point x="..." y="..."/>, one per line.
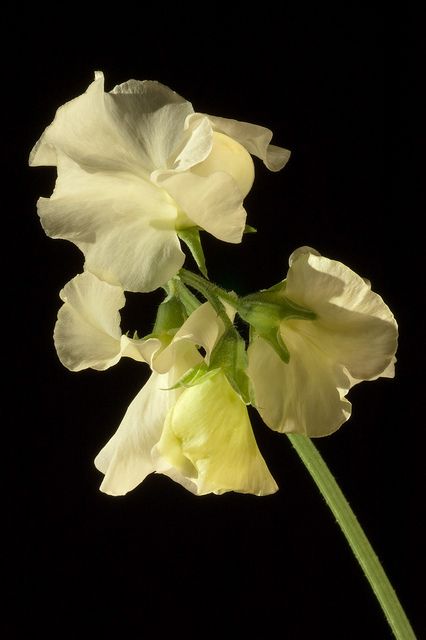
<point x="135" y="166"/>
<point x="200" y="436"/>
<point x="353" y="338"/>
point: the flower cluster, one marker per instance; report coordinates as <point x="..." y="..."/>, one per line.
<point x="139" y="173"/>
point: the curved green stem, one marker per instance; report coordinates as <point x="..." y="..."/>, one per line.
<point x="355" y="536"/>
<point x="211" y="292"/>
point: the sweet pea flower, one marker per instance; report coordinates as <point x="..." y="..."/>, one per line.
<point x="136" y="166"/>
<point x="199" y="436"/>
<point x="352" y="338"/>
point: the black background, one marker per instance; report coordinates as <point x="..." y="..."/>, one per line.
<point x="340" y="89"/>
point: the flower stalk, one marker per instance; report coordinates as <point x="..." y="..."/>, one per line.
<point x="355" y="536"/>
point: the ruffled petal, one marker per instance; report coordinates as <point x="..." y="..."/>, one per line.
<point x="304" y="396"/>
<point x="355" y="328"/>
<point x="126" y="459"/>
<point x="124" y="225"/>
<point x="214" y="203"/>
<point x="255" y="139"/>
<point x="208" y="437"/>
<point x="154" y="117"/>
<point x="134" y="128"/>
<point x="87" y="332"/>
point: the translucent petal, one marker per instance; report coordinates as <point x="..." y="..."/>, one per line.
<point x="304" y="396"/>
<point x="255" y="139"/>
<point x="134" y="128"/>
<point x="208" y="437"/>
<point x="355" y="328"/>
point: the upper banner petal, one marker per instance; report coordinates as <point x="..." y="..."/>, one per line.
<point x="255" y="139"/>
<point x="354" y="326"/>
<point x="134" y="128"/>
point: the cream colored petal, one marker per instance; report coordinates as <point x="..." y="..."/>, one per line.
<point x="195" y="145"/>
<point x="255" y="139"/>
<point x="140" y="350"/>
<point x="214" y="203"/>
<point x="355" y="328"/>
<point x="123" y="224"/>
<point x="208" y="437"/>
<point x="154" y="118"/>
<point x="126" y="459"/>
<point x="202" y="328"/>
<point x="228" y="156"/>
<point x="87" y="332"/>
<point x="134" y="128"/>
<point x="304" y="396"/>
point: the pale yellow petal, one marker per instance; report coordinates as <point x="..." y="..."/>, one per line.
<point x="209" y="438"/>
<point x="228" y="156"/>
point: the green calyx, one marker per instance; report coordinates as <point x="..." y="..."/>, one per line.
<point x="265" y="311"/>
<point x="228" y="356"/>
<point x="191" y="237"/>
<point x="173" y="311"/>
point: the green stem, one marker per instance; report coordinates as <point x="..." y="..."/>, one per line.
<point x="211" y="292"/>
<point x="355" y="536"/>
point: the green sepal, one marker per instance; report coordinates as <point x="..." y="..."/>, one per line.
<point x="273" y="337"/>
<point x="266" y="309"/>
<point x="194" y="376"/>
<point x="170" y="315"/>
<point x="191" y="237"/>
<point x="249" y="229"/>
<point x="230" y="356"/>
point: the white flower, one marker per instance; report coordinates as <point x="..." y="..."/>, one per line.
<point x="135" y="166"/>
<point x="200" y="436"/>
<point x="353" y="338"/>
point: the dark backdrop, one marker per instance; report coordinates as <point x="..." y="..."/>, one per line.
<point x="339" y="88"/>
